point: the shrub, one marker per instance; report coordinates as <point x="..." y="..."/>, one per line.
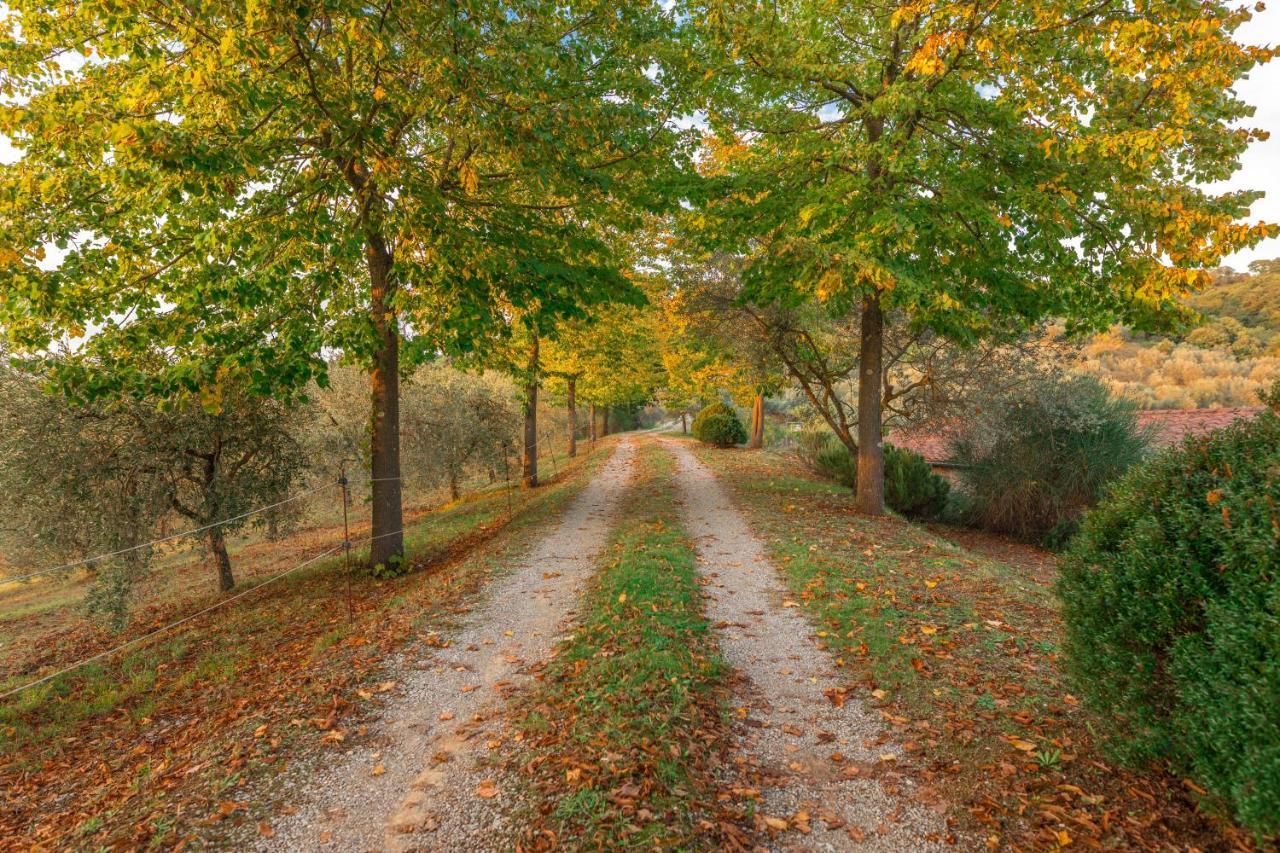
<point x="1171" y="596"/>
<point x="910" y="486"/>
<point x="719" y="425"/>
<point x="824" y="454"/>
<point x="1033" y="462"/>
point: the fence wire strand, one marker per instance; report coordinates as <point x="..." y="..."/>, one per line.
<point x="136" y="640"/>
<point x="345" y="544"/>
<point x="87" y="560"/>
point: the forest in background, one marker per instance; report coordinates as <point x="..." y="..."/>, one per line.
<point x="1225" y="356"/>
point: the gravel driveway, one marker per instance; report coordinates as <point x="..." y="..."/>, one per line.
<point x="416" y="782"/>
<point x="809" y="758"/>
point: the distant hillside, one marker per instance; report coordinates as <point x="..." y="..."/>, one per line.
<point x="1224" y="361"/>
<point x="1241" y="311"/>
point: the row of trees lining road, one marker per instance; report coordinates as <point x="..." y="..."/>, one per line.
<point x="238" y="189"/>
<point x="209" y="205"/>
<point x="93" y="486"/>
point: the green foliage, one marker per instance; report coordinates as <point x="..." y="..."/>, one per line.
<point x="719" y="425"/>
<point x="1032" y="462"/>
<point x="911" y="487"/>
<point x="393" y="567"/>
<point x="823" y="454"/>
<point x="455" y="424"/>
<point x="240" y="179"/>
<point x="1170" y="594"/>
<point x="102" y="476"/>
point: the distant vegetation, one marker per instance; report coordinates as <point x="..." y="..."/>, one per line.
<point x="1226" y="360"/>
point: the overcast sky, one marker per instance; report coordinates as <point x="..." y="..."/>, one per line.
<point x="1261" y="164"/>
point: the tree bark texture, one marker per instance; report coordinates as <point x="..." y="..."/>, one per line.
<point x="870" y="498"/>
<point x="529" y="474"/>
<point x="388" y="518"/>
<point x="572" y="383"/>
<point x="218" y="550"/>
<point x="757" y="423"/>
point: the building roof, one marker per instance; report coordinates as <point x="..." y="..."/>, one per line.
<point x="1171" y="426"/>
<point x="1168" y="427"/>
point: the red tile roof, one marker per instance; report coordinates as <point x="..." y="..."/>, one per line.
<point x="934" y="444"/>
<point x="1171" y="426"/>
<point x="1168" y="427"/>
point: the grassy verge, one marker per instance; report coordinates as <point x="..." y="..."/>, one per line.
<point x="626" y="722"/>
<point x="960" y="651"/>
<point x="158" y="744"/>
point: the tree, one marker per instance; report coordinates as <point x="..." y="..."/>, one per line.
<point x="79" y="483"/>
<point x="104" y="477"/>
<point x="252" y="186"/>
<point x="974" y="165"/>
<point x="455" y="422"/>
<point x="747" y="366"/>
<point x="618" y="351"/>
<point x="220" y="463"/>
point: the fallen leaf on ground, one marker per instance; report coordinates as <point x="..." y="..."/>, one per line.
<point x="487" y="789"/>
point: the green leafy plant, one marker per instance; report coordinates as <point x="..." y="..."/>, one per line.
<point x="719" y="425"/>
<point x="911" y="487"/>
<point x="1033" y="462"/>
<point x="1170" y="595"/>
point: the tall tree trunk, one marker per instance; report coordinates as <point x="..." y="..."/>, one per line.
<point x="591" y="415"/>
<point x="757" y="423"/>
<point x="218" y="550"/>
<point x="870" y="498"/>
<point x="573" y="416"/>
<point x="684" y="423"/>
<point x="454" y="491"/>
<point x="388" y="518"/>
<point x="529" y="477"/>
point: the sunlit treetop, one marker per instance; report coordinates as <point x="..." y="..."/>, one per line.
<point x="979" y="163"/>
<point x="219" y="181"/>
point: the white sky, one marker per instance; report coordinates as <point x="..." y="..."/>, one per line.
<point x="1260" y="166"/>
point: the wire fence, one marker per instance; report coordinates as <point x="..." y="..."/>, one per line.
<point x="345" y="547"/>
<point x="170" y="538"/>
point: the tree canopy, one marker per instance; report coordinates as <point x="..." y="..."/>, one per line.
<point x="975" y="165"/>
<point x="248" y="185"/>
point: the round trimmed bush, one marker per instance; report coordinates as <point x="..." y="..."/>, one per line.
<point x="719" y="425"/>
<point x="1171" y="596"/>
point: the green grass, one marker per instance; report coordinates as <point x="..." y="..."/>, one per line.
<point x="628" y="713"/>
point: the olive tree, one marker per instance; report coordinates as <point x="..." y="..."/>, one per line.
<point x="106" y="477"/>
<point x="456" y="423"/>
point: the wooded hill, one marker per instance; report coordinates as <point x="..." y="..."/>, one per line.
<point x="1224" y="357"/>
